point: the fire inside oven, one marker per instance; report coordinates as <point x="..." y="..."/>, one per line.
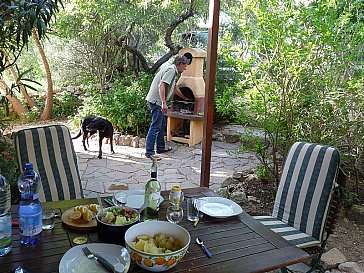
<point x="181" y="106"/>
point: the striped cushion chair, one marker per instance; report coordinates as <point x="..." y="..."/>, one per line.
<point x="304" y="209"/>
<point x="50" y="149"/>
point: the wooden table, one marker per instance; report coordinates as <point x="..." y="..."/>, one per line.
<point x="238" y="244"/>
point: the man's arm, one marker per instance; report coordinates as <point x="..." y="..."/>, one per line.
<point x="179" y="93"/>
<point x="162" y="95"/>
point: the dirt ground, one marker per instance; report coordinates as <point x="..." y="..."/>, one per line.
<point x="347" y="238"/>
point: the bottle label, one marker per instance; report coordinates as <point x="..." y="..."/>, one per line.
<point x="35" y="196"/>
<point x="30" y="225"/>
<point x="156" y="196"/>
<point x="5" y="231"/>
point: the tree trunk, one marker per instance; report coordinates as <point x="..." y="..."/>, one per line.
<point x="47" y="112"/>
<point x="19" y="109"/>
<point x="26" y="96"/>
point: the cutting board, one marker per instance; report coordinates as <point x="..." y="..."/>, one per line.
<point x="79" y="224"/>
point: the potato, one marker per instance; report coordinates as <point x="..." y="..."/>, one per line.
<point x="158" y="245"/>
<point x="140" y="245"/>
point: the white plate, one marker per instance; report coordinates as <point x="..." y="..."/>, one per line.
<point x="135" y="201"/>
<point x="74" y="260"/>
<point x="130" y="198"/>
<point x="219" y="207"/>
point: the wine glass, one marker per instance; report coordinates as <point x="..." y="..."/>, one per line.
<point x="176" y="196"/>
<point x="174" y="214"/>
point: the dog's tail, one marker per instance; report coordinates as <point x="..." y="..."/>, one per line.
<point x="79" y="134"/>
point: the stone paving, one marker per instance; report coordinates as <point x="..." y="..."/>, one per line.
<point x="128" y="168"/>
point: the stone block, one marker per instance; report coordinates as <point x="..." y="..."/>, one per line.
<point x="332" y="258"/>
<point x="238" y="175"/>
<point x="238" y="197"/>
<point x="135" y="142"/>
<point x="232" y="138"/>
<point x="350" y="267"/>
<point x="229" y="181"/>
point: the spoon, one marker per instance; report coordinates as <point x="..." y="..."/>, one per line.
<point x="100" y="203"/>
<point x="204" y="248"/>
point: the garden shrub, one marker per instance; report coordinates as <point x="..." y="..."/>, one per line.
<point x="123" y="104"/>
<point x="8" y="165"/>
<point x="300" y="80"/>
<point x="65" y="104"/>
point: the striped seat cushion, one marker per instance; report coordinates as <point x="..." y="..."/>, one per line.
<point x="305" y="189"/>
<point x="51" y="151"/>
<point x="289" y="233"/>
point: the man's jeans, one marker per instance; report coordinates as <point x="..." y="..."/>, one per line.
<point x="156" y="129"/>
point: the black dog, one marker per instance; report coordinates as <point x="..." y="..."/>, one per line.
<point x="90" y="125"/>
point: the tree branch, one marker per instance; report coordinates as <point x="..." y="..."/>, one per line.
<point x="173" y="49"/>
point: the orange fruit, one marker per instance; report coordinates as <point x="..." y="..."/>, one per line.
<point x="160" y="261"/>
<point x="148" y="262"/>
<point x="171" y="261"/>
<point x="138" y="258"/>
<point x="76" y="215"/>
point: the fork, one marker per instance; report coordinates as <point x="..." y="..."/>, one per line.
<point x="98" y="258"/>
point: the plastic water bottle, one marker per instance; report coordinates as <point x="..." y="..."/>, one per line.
<point x="5" y="217"/>
<point x="151" y="196"/>
<point x="30" y="208"/>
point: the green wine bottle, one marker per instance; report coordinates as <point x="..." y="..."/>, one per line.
<point x="151" y="195"/>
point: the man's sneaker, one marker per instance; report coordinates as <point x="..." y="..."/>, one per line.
<point x="165" y="150"/>
<point x="153" y="156"/>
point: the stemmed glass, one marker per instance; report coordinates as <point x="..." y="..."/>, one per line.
<point x="174" y="214"/>
<point x="176" y="196"/>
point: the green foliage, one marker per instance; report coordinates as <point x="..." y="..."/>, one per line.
<point x="18" y="19"/>
<point x="32" y="115"/>
<point x="8" y="166"/>
<point x="127" y="106"/>
<point x="123" y="104"/>
<point x="301" y="80"/>
<point x="262" y="172"/>
<point x="65" y="105"/>
<point x="98" y="31"/>
<point x="351" y="198"/>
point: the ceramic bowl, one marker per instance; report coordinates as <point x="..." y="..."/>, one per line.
<point x="110" y="233"/>
<point x="157" y="262"/>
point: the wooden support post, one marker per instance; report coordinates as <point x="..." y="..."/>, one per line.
<point x="214" y="10"/>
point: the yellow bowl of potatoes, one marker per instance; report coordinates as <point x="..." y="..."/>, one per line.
<point x="157" y="245"/>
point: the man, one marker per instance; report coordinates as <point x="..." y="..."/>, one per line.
<point x="161" y="89"/>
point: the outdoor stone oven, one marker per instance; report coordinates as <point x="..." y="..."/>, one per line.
<point x="185" y="118"/>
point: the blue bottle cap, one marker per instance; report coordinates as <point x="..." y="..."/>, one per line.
<point x="28" y="166"/>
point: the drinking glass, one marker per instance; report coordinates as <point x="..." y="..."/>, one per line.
<point x="48" y="218"/>
<point x="192" y="209"/>
<point x="176" y="196"/>
<point x="124" y="262"/>
<point x="174" y="215"/>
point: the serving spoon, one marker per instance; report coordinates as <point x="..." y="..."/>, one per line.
<point x="100" y="203"/>
<point x="204" y="248"/>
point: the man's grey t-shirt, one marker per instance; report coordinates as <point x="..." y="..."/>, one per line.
<point x="168" y="75"/>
